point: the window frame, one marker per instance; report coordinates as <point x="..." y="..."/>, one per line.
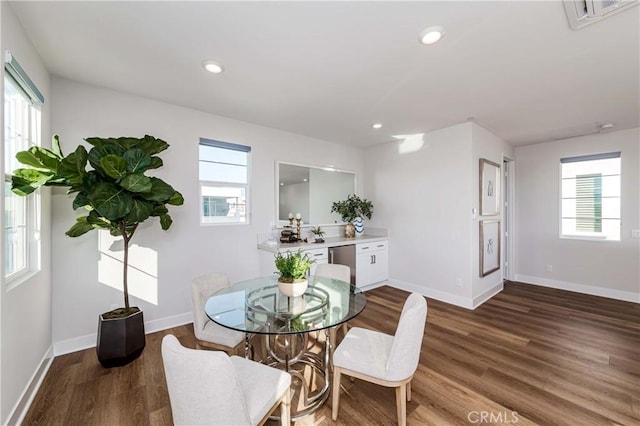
<point x="31" y="252"/>
<point x="586" y="236"/>
<point x="225" y="184"/>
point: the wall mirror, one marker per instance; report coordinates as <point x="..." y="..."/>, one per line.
<point x="310" y="191"/>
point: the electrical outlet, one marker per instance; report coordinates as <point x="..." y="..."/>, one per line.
<point x="549" y="268"/>
<point x="635" y="233"/>
<point x="458" y="282"/>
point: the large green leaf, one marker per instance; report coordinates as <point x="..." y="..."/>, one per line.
<point x="36" y="177"/>
<point x="73" y="166"/>
<point x="136" y="182"/>
<point x="110" y="201"/>
<point x="176" y="199"/>
<point x="48" y="159"/>
<point x="114" y="166"/>
<point x="156" y="162"/>
<point x="27" y="158"/>
<point x="140" y="212"/>
<point x="159" y="210"/>
<point x="98" y="221"/>
<point x="136" y="160"/>
<point x="97" y="152"/>
<point x="152" y="145"/>
<point x="81" y="200"/>
<point x="165" y="221"/>
<point x="160" y="191"/>
<point x="79" y="228"/>
<point x="21" y="186"/>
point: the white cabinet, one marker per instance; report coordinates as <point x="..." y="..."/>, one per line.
<point x="267" y="259"/>
<point x="372" y="263"/>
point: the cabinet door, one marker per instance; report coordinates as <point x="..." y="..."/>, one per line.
<point x="364" y="263"/>
<point x="380" y="266"/>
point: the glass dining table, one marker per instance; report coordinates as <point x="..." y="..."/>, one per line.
<point x="257" y="306"/>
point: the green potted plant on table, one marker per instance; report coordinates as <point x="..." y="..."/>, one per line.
<point x="353" y="210"/>
<point x="292" y="268"/>
<point x="117" y="196"/>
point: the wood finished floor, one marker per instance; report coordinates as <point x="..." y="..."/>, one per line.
<point x="530" y="355"/>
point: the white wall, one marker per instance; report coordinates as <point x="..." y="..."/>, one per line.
<point x="25" y="309"/>
<point x="425" y="198"/>
<point x="489" y="146"/>
<point x="607" y="268"/>
<point x="187" y="249"/>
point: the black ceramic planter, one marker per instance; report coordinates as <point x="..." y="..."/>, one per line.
<point x="120" y="340"/>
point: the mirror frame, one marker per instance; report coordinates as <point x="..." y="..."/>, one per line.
<point x="280" y="223"/>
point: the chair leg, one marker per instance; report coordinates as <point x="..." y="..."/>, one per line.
<point x="333" y="338"/>
<point x="336" y="394"/>
<point x="401" y="404"/>
<point x="409" y="391"/>
<point x="285" y="409"/>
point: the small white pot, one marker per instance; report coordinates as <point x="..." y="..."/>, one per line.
<point x="294" y="289"/>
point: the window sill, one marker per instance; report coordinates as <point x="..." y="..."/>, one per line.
<point x="599" y="238"/>
<point x="20" y="279"/>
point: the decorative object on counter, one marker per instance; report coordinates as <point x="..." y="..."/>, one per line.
<point x="298" y="223"/>
<point x="291" y="219"/>
<point x="288" y="235"/>
<point x="117" y="196"/>
<point x="351" y="209"/>
<point x="292" y="268"/>
<point x="358" y="224"/>
<point x="318" y="233"/>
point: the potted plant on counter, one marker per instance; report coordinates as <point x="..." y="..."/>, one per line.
<point x="115" y="195"/>
<point x="353" y="210"/>
<point x="318" y="233"/>
<point x="292" y="268"/>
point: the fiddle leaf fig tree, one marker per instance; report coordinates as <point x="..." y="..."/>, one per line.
<point x="115" y="192"/>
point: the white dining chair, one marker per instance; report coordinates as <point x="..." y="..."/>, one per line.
<point x="382" y="359"/>
<point x="208" y="333"/>
<point x="211" y="388"/>
<point x="337" y="272"/>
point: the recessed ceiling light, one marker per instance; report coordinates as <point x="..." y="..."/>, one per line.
<point x="281" y="183"/>
<point x="213" y="67"/>
<point x="377" y="125"/>
<point x="304" y="180"/>
<point x="606" y="126"/>
<point x="431" y="35"/>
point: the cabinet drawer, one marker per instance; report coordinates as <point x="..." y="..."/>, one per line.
<point x="318" y="254"/>
<point x="367" y="247"/>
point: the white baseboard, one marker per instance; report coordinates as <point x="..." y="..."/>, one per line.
<point x="627" y="296"/>
<point x="488" y="294"/>
<point x="89" y="341"/>
<point x="442" y="296"/>
<point x="19" y="411"/>
<point x="374" y="285"/>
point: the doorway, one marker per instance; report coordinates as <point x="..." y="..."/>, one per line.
<point x="508" y="216"/>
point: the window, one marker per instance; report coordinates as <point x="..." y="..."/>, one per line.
<point x="21" y="214"/>
<point x="591" y="196"/>
<point x="224" y="182"/>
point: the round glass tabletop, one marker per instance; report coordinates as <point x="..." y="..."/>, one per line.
<point x="257" y="306"/>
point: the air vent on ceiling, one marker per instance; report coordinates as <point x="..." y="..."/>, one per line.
<point x="585" y="12"/>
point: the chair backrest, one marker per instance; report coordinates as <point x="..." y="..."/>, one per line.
<point x="203" y="386"/>
<point x="407" y="342"/>
<point x="335" y="271"/>
<point x="201" y="288"/>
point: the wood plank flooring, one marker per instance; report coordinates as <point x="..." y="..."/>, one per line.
<point x="530" y="355"/>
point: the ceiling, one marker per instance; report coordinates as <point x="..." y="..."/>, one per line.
<point x="329" y="70"/>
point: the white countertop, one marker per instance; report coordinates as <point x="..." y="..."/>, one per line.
<point x="276" y="246"/>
